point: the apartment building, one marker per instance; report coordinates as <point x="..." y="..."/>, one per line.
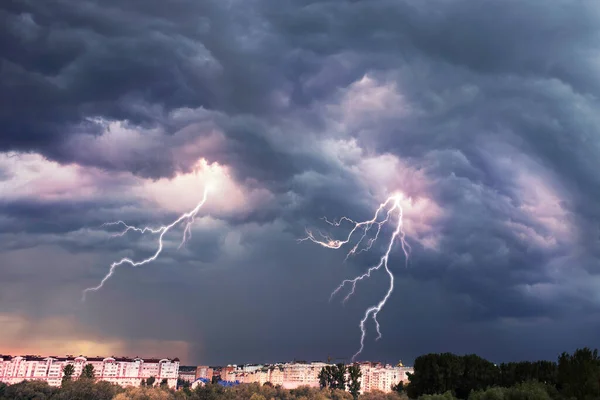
<point x="204" y="372"/>
<point x="376" y="376"/>
<point x="120" y="370"/>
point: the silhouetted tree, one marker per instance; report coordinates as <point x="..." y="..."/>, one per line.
<point x="579" y="374"/>
<point x="150" y="381"/>
<point x="339" y="377"/>
<point x="323" y="377"/>
<point x="354" y="380"/>
<point x="87" y="372"/>
<point x="447" y="372"/>
<point x="399" y="388"/>
<point x="68" y="372"/>
<point x="164" y="383"/>
<point x="477" y="374"/>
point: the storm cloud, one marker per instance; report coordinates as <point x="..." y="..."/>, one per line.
<point x="484" y="114"/>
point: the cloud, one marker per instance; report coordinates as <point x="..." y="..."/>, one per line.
<point x="62" y="335"/>
<point x="483" y="116"/>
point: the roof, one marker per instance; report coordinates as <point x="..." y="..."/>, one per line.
<point x="90" y="359"/>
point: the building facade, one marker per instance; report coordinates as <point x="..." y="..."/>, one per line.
<point x="204" y="372"/>
<point x="376" y="376"/>
<point x="122" y="371"/>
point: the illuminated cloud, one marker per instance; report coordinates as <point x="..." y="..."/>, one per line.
<point x="484" y="116"/>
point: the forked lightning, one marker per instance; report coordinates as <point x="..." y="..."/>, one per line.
<point x="393" y="206"/>
<point x="187" y="218"/>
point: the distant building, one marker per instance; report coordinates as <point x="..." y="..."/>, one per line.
<point x="204" y="372"/>
<point x="187" y="374"/>
<point x="228" y="373"/>
<point x="119" y="370"/>
<point x="376" y="376"/>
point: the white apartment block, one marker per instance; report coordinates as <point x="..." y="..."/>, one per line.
<point x="122" y="371"/>
<point x="376" y="376"/>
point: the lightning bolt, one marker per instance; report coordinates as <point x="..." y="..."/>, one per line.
<point x="393" y="206"/>
<point x="187" y="219"/>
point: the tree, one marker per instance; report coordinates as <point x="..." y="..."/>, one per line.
<point x="37" y="390"/>
<point x="324" y="377"/>
<point x="354" y="380"/>
<point x="68" y="372"/>
<point x="339" y="377"/>
<point x="578" y="374"/>
<point x="446" y="396"/>
<point x="150" y="381"/>
<point x="87" y="372"/>
<point x="399" y="388"/>
<point x="164" y="383"/>
<point x="87" y="389"/>
<point x="477" y="374"/>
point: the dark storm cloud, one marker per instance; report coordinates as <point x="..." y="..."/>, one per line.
<point x="496" y="108"/>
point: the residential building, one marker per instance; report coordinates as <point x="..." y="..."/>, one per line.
<point x="119" y="370"/>
<point x="205" y="372"/>
<point x="376" y="376"/>
<point x="187" y="374"/>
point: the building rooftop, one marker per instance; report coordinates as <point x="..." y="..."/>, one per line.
<point x="29" y="357"/>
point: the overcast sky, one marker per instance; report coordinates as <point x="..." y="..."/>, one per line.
<point x="485" y="114"/>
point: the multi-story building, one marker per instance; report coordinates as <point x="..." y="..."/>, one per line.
<point x="204" y="372"/>
<point x="123" y="371"/>
<point x="289" y="375"/>
<point x="300" y="374"/>
<point x="187" y="374"/>
<point x="376" y="376"/>
<point x="229" y="373"/>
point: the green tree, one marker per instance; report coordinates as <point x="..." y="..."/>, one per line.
<point x="87" y="372"/>
<point x="164" y="383"/>
<point x="87" y="389"/>
<point x="399" y="388"/>
<point x="354" y="380"/>
<point x="578" y="374"/>
<point x="27" y="390"/>
<point x="324" y="377"/>
<point x="435" y="373"/>
<point x="150" y="381"/>
<point x="339" y="377"/>
<point x="145" y="393"/>
<point x="477" y="374"/>
<point x="446" y="396"/>
<point x="68" y="372"/>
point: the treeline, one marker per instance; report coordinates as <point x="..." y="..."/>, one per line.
<point x="573" y="376"/>
<point x="88" y="389"/>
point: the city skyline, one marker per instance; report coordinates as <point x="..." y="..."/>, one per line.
<point x="138" y="371"/>
<point x="234" y="130"/>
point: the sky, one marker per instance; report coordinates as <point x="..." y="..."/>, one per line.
<point x="483" y="114"/>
